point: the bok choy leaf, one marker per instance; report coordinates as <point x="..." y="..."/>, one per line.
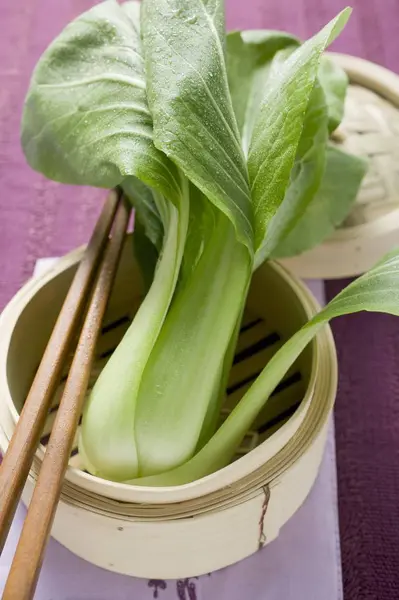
<point x="194" y="124"/>
<point x="87" y="121"/>
<point x="334" y="81"/>
<point x="328" y="208"/>
<point x="279" y="125"/>
<point x="249" y="58"/>
<point x="306" y="174"/>
<point x="144" y="96"/>
<point x="188" y="93"/>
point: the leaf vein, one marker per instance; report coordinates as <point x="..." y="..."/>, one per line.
<point x="206" y="87"/>
<point x="122" y="79"/>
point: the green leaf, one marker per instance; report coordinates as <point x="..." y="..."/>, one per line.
<point x="86" y="119"/>
<point x="329" y="207"/>
<point x="376" y="291"/>
<point x="194" y="122"/>
<point x="306" y="175"/>
<point x="249" y="57"/>
<point x="334" y="81"/>
<point x="278" y="127"/>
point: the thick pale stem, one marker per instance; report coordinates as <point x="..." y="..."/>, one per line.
<point x="186" y="364"/>
<point x="107" y="440"/>
<point x="212" y="417"/>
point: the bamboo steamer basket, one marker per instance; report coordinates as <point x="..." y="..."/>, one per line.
<point x="370" y="128"/>
<point x="187" y="530"/>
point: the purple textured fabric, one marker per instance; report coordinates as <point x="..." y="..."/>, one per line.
<point x="37" y="217"/>
<point x="367" y="445"/>
<point x="41" y="218"/>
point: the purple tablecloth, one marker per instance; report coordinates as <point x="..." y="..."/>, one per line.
<point x="367" y="440"/>
<point x="40" y="218"/>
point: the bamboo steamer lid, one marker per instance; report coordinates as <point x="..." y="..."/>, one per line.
<point x="370" y="129"/>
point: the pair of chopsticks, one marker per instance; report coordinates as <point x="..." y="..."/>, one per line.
<point x="88" y="294"/>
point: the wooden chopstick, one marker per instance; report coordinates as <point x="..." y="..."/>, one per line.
<point x="28" y="558"/>
<point x="18" y="458"/>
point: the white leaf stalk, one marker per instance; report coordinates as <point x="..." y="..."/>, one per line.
<point x="110" y="411"/>
<point x="182" y="378"/>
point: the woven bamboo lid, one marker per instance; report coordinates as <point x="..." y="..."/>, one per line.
<point x="370" y="128"/>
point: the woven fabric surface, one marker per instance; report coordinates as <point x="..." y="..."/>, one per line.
<point x="41" y="218"/>
<point x="367" y="446"/>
